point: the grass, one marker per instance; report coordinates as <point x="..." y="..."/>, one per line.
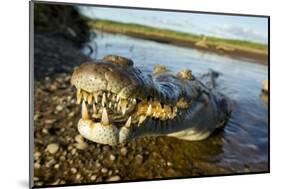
<point x="170" y="35"/>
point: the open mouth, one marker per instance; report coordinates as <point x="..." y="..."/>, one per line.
<point x="107" y="108"/>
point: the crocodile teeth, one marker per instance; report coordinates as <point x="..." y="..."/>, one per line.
<point x="90" y="98"/>
<point x="104" y="117"/>
<point x="96" y="97"/>
<point x="78" y="96"/>
<point x="149" y="110"/>
<point x="95" y="111"/>
<point x="85" y="114"/>
<point x="117" y="98"/>
<point x="128" y="122"/>
<point x="103" y="101"/>
<point x="85" y="96"/>
<point x="142" y="118"/>
<point x="123" y="106"/>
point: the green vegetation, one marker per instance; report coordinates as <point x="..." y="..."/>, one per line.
<point x="178" y="37"/>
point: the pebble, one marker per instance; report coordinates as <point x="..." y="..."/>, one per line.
<point x="104" y="170"/>
<point x="79" y="139"/>
<point x="93" y="177"/>
<point x="139" y="159"/>
<point x="49" y="121"/>
<point x="78" y="176"/>
<point x="169" y="163"/>
<point x="50" y="163"/>
<point x="57" y="166"/>
<point x="73" y="151"/>
<point x="37" y="165"/>
<point x="73" y="170"/>
<point x="59" y="108"/>
<point x="124" y="151"/>
<point x="112" y="157"/>
<point x="52" y="148"/>
<point x="81" y="146"/>
<point x="36" y="155"/>
<point x="114" y="178"/>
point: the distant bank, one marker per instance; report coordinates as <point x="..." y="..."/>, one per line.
<point x="231" y="47"/>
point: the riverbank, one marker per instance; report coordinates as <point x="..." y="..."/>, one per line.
<point x="230" y="47"/>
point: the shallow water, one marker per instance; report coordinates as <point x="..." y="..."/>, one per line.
<point x="244" y="141"/>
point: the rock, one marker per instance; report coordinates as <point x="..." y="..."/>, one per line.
<point x="49" y="121"/>
<point x="104" y="170"/>
<point x="57" y="166"/>
<point x="169" y="164"/>
<point x="78" y="176"/>
<point x="81" y="146"/>
<point x="36" y="155"/>
<point x="59" y="108"/>
<point x="79" y="139"/>
<point x="113" y="178"/>
<point x="52" y="148"/>
<point x="138" y="159"/>
<point x="93" y="177"/>
<point x="124" y="151"/>
<point x="73" y="170"/>
<point x="112" y="157"/>
<point x="37" y="165"/>
<point x="50" y="163"/>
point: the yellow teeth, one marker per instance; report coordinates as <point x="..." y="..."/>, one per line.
<point x="141" y="119"/>
<point x="128" y="122"/>
<point x="78" y="96"/>
<point x="85" y="114"/>
<point x="103" y="101"/>
<point x="95" y="111"/>
<point x="90" y="98"/>
<point x="123" y="106"/>
<point x="104" y="117"/>
<point x="96" y="97"/>
<point x="149" y="110"/>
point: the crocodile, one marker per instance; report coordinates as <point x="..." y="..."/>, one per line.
<point x="120" y="102"/>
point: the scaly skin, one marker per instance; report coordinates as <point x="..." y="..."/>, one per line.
<point x="120" y="102"/>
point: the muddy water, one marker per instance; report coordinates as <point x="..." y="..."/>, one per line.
<point x="243" y="145"/>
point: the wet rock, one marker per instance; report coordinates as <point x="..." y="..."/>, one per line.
<point x="113" y="178"/>
<point x="52" y="148"/>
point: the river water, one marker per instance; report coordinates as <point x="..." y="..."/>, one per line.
<point x="243" y="145"/>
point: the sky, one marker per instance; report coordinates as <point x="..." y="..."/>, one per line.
<point x="234" y="27"/>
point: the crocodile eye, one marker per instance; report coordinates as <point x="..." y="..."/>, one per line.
<point x="122" y="61"/>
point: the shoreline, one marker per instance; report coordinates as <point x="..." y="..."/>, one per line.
<point x="221" y="46"/>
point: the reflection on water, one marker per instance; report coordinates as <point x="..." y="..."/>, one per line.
<point x="244" y="141"/>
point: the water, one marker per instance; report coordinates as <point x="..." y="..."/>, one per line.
<point x="244" y="141"/>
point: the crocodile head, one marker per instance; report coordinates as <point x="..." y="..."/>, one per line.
<point x="120" y="102"/>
